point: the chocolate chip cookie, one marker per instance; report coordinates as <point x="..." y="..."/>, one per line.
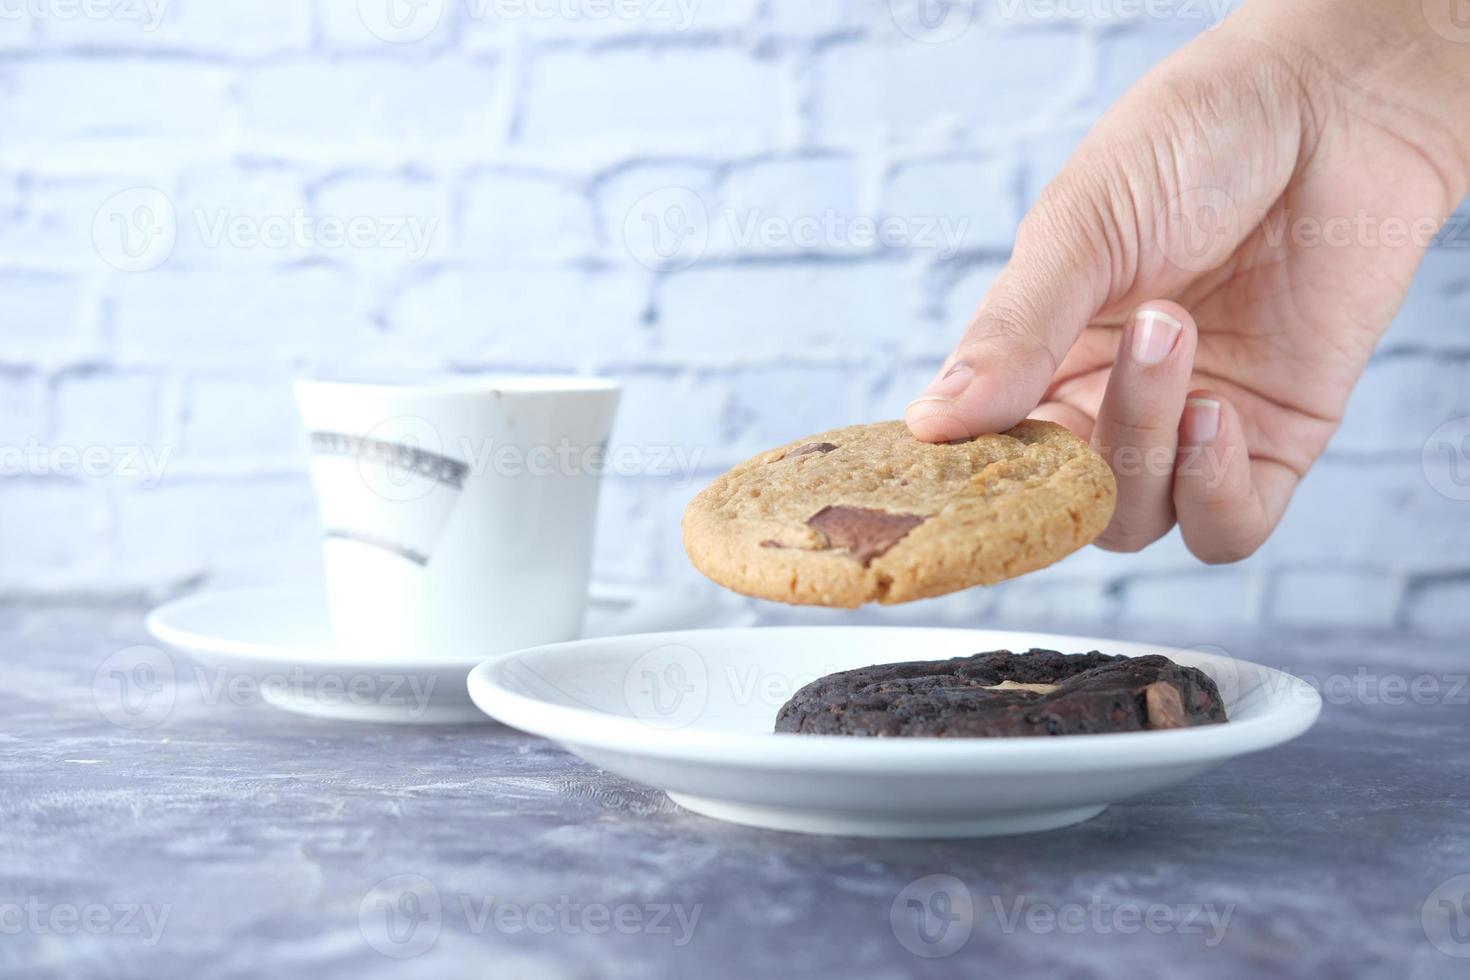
<point x="870" y="513"/>
<point x="999" y="694"/>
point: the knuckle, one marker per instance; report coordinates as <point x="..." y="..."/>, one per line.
<point x="1228" y="554"/>
<point x="1006" y="326"/>
<point x="1219" y="543"/>
<point x="1122" y="538"/>
<point x="1075" y="215"/>
<point x="1123" y="546"/>
<point x="1053" y="217"/>
<point x="1137" y="447"/>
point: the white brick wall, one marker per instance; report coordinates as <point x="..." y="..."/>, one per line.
<point x="526" y="145"/>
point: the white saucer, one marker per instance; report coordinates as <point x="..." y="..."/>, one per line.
<point x="274" y="645"/>
<point x="691" y="713"/>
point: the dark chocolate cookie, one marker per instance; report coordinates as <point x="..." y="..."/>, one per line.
<point x="990" y="695"/>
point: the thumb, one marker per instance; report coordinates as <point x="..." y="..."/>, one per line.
<point x="1038" y="306"/>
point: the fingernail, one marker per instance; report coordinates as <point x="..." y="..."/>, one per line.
<point x="955" y="380"/>
<point x="1201" y="421"/>
<point x="1154" y="336"/>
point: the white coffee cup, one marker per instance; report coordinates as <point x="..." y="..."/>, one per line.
<point x="459" y="515"/>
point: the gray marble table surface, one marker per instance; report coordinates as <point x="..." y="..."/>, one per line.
<point x="238" y="841"/>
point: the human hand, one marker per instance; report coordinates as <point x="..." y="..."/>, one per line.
<point x="1200" y="288"/>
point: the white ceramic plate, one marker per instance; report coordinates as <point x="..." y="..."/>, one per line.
<point x="275" y="645"/>
<point x="691" y="713"/>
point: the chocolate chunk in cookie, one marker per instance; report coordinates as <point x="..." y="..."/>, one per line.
<point x="865" y="533"/>
<point x="811" y="447"/>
